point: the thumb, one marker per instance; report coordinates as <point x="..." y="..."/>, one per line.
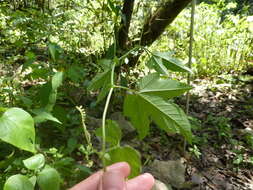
<point x="113" y="180"/>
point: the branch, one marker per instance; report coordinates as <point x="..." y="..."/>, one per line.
<point x="125" y="23"/>
<point x="162" y="17"/>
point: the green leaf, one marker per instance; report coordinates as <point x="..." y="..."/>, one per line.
<point x="35" y="162"/>
<point x="99" y="80"/>
<point x="172" y="63"/>
<point x="52" y="50"/>
<point x="104" y="91"/>
<point x="152" y="84"/>
<point x="142" y="108"/>
<point x="52" y="96"/>
<point x="17" y="128"/>
<point x="44" y="93"/>
<point x="18" y="182"/>
<point x="43" y="115"/>
<point x="49" y="178"/>
<point x="168" y="116"/>
<point x="139" y="115"/>
<point x="75" y="73"/>
<point x="103" y="81"/>
<point x="157" y="64"/>
<point x="57" y="80"/>
<point x="112" y="132"/>
<point x="126" y="154"/>
<point x="105" y="63"/>
<point x="33" y="180"/>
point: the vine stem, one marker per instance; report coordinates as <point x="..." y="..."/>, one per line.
<point x="103" y="127"/>
<point x="104" y="116"/>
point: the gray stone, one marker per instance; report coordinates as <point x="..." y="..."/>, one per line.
<point x="170" y="172"/>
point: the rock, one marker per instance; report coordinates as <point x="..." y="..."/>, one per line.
<point x="171" y="172"/>
<point x="125" y="125"/>
<point x="197" y="179"/>
<point x="160" y="186"/>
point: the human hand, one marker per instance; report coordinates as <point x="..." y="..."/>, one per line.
<point x="114" y="179"/>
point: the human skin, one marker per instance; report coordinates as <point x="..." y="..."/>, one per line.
<point x="115" y="179"/>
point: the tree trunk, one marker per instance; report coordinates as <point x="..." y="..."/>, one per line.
<point x="127" y="12"/>
<point x="162" y="17"/>
<point x="157" y="23"/>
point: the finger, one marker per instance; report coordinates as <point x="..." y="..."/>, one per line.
<point x="92" y="182"/>
<point x="113" y="180"/>
<point x="142" y="182"/>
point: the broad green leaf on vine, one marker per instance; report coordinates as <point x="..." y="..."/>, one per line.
<point x="49" y="178"/>
<point x="152" y="84"/>
<point x="18" y="182"/>
<point x="125" y="154"/>
<point x="35" y="162"/>
<point x="151" y="105"/>
<point x="17" y="128"/>
<point x="170" y="62"/>
<point x="112" y="132"/>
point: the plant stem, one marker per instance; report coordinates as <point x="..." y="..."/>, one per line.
<point x="103" y="128"/>
<point x="122" y="87"/>
<point x="104" y="117"/>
